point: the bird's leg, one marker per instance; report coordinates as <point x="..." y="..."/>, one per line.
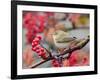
<point x="59" y="59"/>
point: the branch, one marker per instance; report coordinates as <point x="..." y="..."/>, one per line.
<point x="70" y="50"/>
<point x="41" y="62"/>
<point x="78" y="46"/>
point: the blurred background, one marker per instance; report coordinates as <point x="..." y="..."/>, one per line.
<point x="47" y="23"/>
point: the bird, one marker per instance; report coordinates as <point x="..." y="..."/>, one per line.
<point x="62" y="39"/>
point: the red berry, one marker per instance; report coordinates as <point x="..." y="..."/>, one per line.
<point x="39" y="37"/>
<point x="55" y="63"/>
<point x="37" y="51"/>
<point x="34" y="49"/>
<point x="72" y="61"/>
<point x="29" y="37"/>
<point x="35" y="43"/>
<point x="44" y="56"/>
<point x="42" y="49"/>
<point x="38" y="47"/>
<point x="41" y="53"/>
<point x="85" y="60"/>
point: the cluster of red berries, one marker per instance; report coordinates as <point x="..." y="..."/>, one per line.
<point x="78" y="58"/>
<point x="34" y="23"/>
<point x="30" y="36"/>
<point x="55" y="63"/>
<point x="37" y="48"/>
<point x="30" y="22"/>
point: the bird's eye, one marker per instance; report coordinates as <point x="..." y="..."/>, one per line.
<point x="74" y="37"/>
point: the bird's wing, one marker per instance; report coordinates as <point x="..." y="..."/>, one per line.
<point x="65" y="39"/>
<point x="61" y="36"/>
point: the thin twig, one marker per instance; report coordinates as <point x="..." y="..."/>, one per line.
<point x="39" y="63"/>
<point x="70" y="50"/>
